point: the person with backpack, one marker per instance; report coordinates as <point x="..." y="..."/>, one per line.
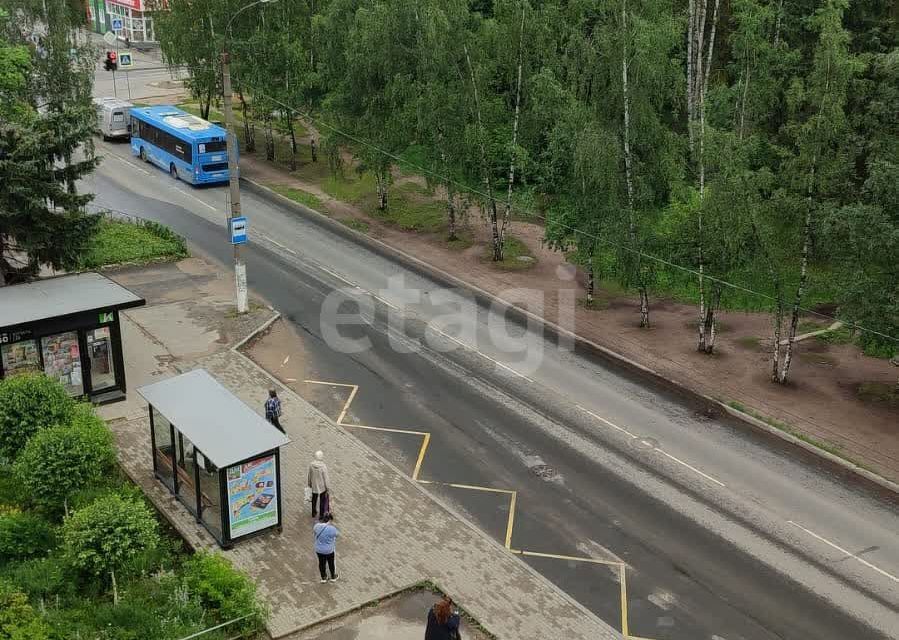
<point x="273" y="410"/>
<point x="443" y="621"/>
<point x="324" y="535"/>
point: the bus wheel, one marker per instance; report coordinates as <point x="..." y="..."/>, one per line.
<point x="174" y="171"/>
<point x="143" y="154"/>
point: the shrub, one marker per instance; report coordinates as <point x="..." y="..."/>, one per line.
<point x="104" y="536"/>
<point x="41" y="578"/>
<point x="223" y="591"/>
<point x="24" y="535"/>
<point x="60" y="461"/>
<point x="28" y="403"/>
<point x="18" y="620"/>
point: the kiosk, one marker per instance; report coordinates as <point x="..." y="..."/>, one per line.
<point x="216" y="455"/>
<point x="68" y="328"/>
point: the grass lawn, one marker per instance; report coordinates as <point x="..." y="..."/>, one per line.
<point x="298" y="195"/>
<point x="119" y="241"/>
<point x="354" y="223"/>
<point x="513" y="250"/>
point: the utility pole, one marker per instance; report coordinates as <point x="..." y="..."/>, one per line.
<point x="240" y="269"/>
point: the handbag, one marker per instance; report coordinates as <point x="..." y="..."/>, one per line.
<point x="307" y="494"/>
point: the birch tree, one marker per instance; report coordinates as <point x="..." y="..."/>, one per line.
<point x="820" y="164"/>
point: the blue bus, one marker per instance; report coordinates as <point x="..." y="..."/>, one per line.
<point x="186" y="146"/>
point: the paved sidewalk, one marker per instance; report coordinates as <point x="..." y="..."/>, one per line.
<point x="394" y="533"/>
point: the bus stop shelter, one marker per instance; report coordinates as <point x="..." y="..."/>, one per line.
<point x="216" y="455"/>
<point x="68" y="328"/>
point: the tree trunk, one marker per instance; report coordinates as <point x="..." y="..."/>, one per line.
<point x="507" y="214"/>
<point x="591" y="282"/>
<point x="115" y="590"/>
<point x="451" y="212"/>
<point x="381" y="178"/>
<point x="709" y="331"/>
<point x="312" y="150"/>
<point x="743" y="99"/>
<point x="269" y="139"/>
<point x="485" y="167"/>
<point x="708" y="62"/>
<point x="248" y="129"/>
<point x="628" y="172"/>
<point x="691" y="20"/>
<point x="293" y="140"/>
<point x="800" y="291"/>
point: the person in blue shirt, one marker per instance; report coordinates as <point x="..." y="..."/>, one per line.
<point x="324" y="535"/>
<point x="273" y="409"/>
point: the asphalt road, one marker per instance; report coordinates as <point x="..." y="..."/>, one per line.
<point x="726" y="534"/>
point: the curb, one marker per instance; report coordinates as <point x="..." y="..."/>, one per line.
<point x="427" y="494"/>
<point x="524" y="317"/>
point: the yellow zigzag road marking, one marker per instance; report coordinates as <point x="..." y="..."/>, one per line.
<point x="513" y="497"/>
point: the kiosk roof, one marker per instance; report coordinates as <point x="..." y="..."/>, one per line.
<point x="219" y="424"/>
<point x="54" y="297"/>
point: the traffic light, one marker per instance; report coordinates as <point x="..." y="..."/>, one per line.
<point x="111" y="63"/>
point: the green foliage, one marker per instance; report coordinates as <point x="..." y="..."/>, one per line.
<point x="798" y="118"/>
<point x="108" y="533"/>
<point x="118" y="242"/>
<point x="60" y="461"/>
<point x="298" y="195"/>
<point x="29" y="403"/>
<point x="18" y="620"/>
<point x="44" y="151"/>
<point x="227" y="593"/>
<point x="24" y="535"/>
<point x="43" y="577"/>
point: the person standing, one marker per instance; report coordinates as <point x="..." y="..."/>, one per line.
<point x="318" y="480"/>
<point x="325" y="535"/>
<point x="273" y="410"/>
<point x="443" y="622"/>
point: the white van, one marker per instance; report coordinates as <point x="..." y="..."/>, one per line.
<point x="113" y="119"/>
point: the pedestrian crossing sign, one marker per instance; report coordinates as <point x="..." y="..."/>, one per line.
<point x="125" y="60"/>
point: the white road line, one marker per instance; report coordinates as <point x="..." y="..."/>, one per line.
<point x="278" y="244"/>
<point x="660" y="450"/>
<point x="693" y="469"/>
<point x="606" y="422"/>
<point x="482" y="354"/>
<point x="842" y="550"/>
<point x="149" y="173"/>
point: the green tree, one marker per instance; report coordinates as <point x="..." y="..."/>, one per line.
<point x="18" y="619"/>
<point x="819" y="167"/>
<point x="24" y="535"/>
<point x="61" y="461"/>
<point x="51" y="122"/>
<point x="109" y="533"/>
<point x="224" y="591"/>
<point x="28" y="404"/>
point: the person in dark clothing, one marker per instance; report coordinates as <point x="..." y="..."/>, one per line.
<point x="273" y="410"/>
<point x="443" y="622"/>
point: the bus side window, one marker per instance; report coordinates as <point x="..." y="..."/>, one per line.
<point x="135" y="127"/>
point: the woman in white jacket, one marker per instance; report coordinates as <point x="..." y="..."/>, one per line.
<point x="320" y="483"/>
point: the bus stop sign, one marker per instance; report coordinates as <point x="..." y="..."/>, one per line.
<point x="238" y="230"/>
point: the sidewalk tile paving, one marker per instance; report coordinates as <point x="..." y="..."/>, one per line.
<point x="393" y="532"/>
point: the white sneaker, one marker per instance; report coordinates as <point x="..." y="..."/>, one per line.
<point x="334" y="579"/>
<point x="324" y="580"/>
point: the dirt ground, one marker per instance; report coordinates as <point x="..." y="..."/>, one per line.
<point x="822" y="403"/>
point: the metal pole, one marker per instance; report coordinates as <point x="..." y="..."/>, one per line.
<point x="240" y="269"/>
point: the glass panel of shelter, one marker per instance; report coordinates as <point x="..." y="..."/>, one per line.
<point x="162" y="449"/>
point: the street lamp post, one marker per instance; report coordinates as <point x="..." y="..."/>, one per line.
<point x="240" y="269"/>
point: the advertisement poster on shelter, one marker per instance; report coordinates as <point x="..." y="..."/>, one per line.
<point x="252" y="496"/>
